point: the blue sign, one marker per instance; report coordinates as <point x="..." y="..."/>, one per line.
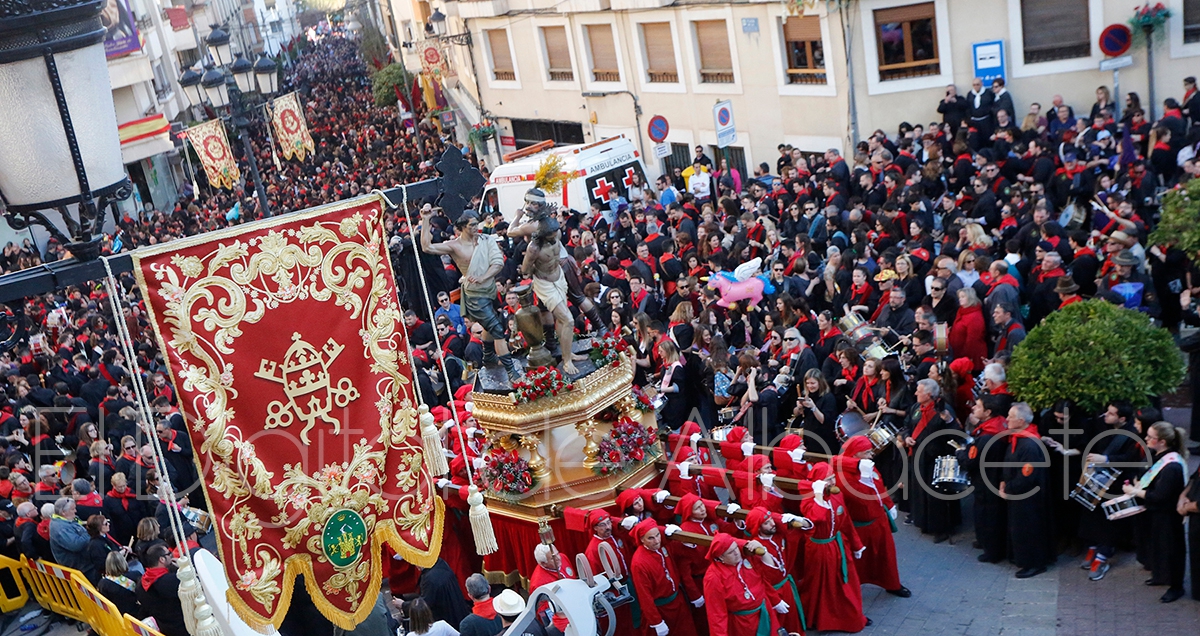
<point x="989" y="60"/>
<point x="658" y="129"/>
<point x="749" y="25"/>
<point x="723" y="118"/>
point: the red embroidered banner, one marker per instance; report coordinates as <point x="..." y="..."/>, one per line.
<point x="284" y="340"/>
<point x="212" y="146"/>
<point x="291" y="130"/>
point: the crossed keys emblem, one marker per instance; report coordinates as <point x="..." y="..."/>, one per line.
<point x="305" y="379"/>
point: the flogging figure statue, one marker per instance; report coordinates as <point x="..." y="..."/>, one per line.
<point x="543" y="262"/>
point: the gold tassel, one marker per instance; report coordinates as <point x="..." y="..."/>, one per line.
<point x="431" y="443"/>
<point x="481" y="523"/>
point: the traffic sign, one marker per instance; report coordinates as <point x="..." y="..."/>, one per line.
<point x="1115" y="40"/>
<point x="1114" y="63"/>
<point x="662" y="151"/>
<point x="723" y="118"/>
<point x="658" y="129"/>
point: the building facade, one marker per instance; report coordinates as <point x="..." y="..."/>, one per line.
<point x="811" y="74"/>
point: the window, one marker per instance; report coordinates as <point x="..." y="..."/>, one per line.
<point x="558" y="54"/>
<point x="736" y="156"/>
<point x="1191" y="21"/>
<point x="907" y="39"/>
<point x="527" y="132"/>
<point x="1055" y="30"/>
<point x="803" y="50"/>
<point x="502" y="63"/>
<point x="681" y="157"/>
<point x="604" y="53"/>
<point x="716" y="64"/>
<point x="660" y="53"/>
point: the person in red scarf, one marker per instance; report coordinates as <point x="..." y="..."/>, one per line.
<point x="781" y="542"/>
<point x="550" y="568"/>
<point x="737" y="600"/>
<point x="862" y="297"/>
<point x="863" y="396"/>
<point x="1042" y="298"/>
<point x="968" y="335"/>
<point x="830" y="589"/>
<point x="991" y="520"/>
<point x="158" y="592"/>
<point x="1026" y="473"/>
<point x="1010" y="332"/>
<point x="663" y="590"/>
<point x="123" y="509"/>
<point x="1067" y="291"/>
<point x="873" y="514"/>
<point x="932" y="513"/>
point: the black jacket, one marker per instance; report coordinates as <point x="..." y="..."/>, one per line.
<point x="161" y="601"/>
<point x="439" y="587"/>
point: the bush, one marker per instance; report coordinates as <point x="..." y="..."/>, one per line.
<point x="1094" y="352"/>
<point x="1180" y="221"/>
<point x="385" y="81"/>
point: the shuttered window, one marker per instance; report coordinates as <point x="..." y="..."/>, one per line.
<point x="1055" y="30"/>
<point x="804" y="50"/>
<point x="907" y="41"/>
<point x="716" y="63"/>
<point x="604" y="53"/>
<point x="502" y="64"/>
<point x="558" y="54"/>
<point x="1191" y="20"/>
<point x="660" y="52"/>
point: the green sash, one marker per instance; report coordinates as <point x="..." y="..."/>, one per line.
<point x="892" y="522"/>
<point x="665" y="601"/>
<point x="789" y="581"/>
<point x="841" y="549"/>
<point x="863" y="524"/>
<point x="634" y="609"/>
<point x="764" y="619"/>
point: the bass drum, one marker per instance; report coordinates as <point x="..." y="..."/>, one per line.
<point x="849" y="424"/>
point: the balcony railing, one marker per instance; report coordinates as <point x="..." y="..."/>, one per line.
<point x="562" y="75"/>
<point x="716" y="76"/>
<point x="806" y="76"/>
<point x="504" y="76"/>
<point x="606" y="76"/>
<point x="663" y="77"/>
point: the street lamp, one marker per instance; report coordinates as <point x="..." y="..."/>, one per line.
<point x="60" y="154"/>
<point x="438" y="20"/>
<point x="213" y="86"/>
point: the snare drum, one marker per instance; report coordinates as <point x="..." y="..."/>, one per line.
<point x="1093" y="483"/>
<point x="948" y="475"/>
<point x="877" y="351"/>
<point x="197" y="518"/>
<point x="38" y="345"/>
<point x="941" y="337"/>
<point x="881" y="436"/>
<point x="1121" y="507"/>
<point x="719" y="433"/>
<point x="850" y="424"/>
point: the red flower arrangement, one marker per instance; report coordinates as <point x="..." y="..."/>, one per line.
<point x="641" y="401"/>
<point x="539" y="383"/>
<point x="607" y="349"/>
<point x="505" y="473"/>
<point x="625" y="447"/>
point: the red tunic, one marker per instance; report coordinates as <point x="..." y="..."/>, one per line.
<point x="624" y="613"/>
<point x="868" y="507"/>
<point x="541" y="576"/>
<point x="830" y="589"/>
<point x="730" y="613"/>
<point x="781" y="547"/>
<point x="693" y="558"/>
<point x="662" y="592"/>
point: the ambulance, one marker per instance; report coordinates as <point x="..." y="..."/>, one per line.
<point x="603" y="172"/>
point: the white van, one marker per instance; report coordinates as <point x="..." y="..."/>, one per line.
<point x="603" y="172"/>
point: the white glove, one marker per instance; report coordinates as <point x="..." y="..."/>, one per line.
<point x="819" y="487"/>
<point x="447" y="425"/>
<point x="477" y="463"/>
<point x="661" y="629"/>
<point x="782" y="608"/>
<point x="797" y="455"/>
<point x="695" y="438"/>
<point x="698" y="602"/>
<point x="767" y="479"/>
<point x="443" y="482"/>
<point x="859" y="552"/>
<point x="629" y="522"/>
<point x="469" y="431"/>
<point x="683" y="470"/>
<point x="671" y="529"/>
<point x="731" y="508"/>
<point x="747" y="448"/>
<point x="893" y="513"/>
<point x="788" y="517"/>
<point x="661" y="496"/>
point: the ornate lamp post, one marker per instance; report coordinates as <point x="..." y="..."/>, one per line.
<point x="60" y="154"/>
<point x="214" y="87"/>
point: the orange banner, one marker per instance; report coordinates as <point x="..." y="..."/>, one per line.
<point x="212" y="146"/>
<point x="291" y="130"/>
<point x="284" y="339"/>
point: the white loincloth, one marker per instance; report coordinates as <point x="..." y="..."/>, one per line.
<point x="551" y="293"/>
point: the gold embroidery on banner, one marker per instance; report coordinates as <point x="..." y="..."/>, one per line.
<point x="207" y="298"/>
<point x="309" y="393"/>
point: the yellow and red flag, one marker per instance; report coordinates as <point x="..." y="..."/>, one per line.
<point x="212" y="146"/>
<point x="291" y="129"/>
<point x="283" y="337"/>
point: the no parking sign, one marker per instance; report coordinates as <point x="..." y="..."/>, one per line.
<point x="723" y="118"/>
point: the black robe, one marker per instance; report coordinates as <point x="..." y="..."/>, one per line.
<point x="1163" y="534"/>
<point x="1026" y="474"/>
<point x="931" y="511"/>
<point x="990" y="513"/>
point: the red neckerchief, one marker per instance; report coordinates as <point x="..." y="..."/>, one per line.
<point x="1188" y="95"/>
<point x="850" y="373"/>
<point x="476" y="340"/>
<point x="1071" y="172"/>
<point x="1007" y="223"/>
<point x="649" y="261"/>
<point x="1172" y="112"/>
<point x="93" y="499"/>
<point x="618" y="274"/>
<point x="1002" y="344"/>
<point x="756" y="232"/>
<point x="996" y="185"/>
<point x="994" y="426"/>
<point x="1071" y="300"/>
<point x="802" y="318"/>
<point x="447" y="342"/>
<point x="107" y="376"/>
<point x="825" y="335"/>
<point x="1044" y="275"/>
<point x="1162" y="145"/>
<point x="866" y="388"/>
<point x="131" y="457"/>
<point x="928" y="411"/>
<point x="23" y="520"/>
<point x="829" y="199"/>
<point x="885" y="300"/>
<point x="43" y="529"/>
<point x="37" y="440"/>
<point x="1086" y="251"/>
<point x="792" y="261"/>
<point x="124" y="497"/>
<point x="151" y="575"/>
<point x="1006" y="279"/>
<point x="966" y="156"/>
<point x="859" y="295"/>
<point x="1030" y="432"/>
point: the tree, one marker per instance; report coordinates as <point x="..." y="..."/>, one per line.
<point x="1179" y="224"/>
<point x="1091" y="353"/>
<point x="385" y="81"/>
<point x="373" y="47"/>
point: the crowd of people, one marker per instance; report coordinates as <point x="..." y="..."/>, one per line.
<point x="900" y="279"/>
